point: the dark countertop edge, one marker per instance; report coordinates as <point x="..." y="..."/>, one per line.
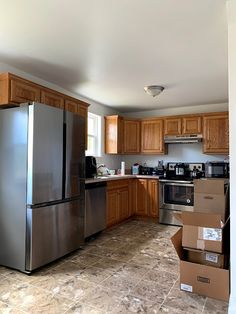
<point x="120" y="177"/>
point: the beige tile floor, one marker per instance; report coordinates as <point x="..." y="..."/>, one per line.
<point x="131" y="268"/>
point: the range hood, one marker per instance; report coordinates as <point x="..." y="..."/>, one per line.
<point x="184" y="139"/>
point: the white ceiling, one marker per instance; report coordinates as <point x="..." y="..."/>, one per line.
<point x="108" y="50"/>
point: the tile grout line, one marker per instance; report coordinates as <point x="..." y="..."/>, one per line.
<point x="203" y="308"/>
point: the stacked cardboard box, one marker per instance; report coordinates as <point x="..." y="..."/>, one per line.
<point x="202" y="244"/>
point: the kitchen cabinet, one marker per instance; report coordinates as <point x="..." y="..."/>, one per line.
<point x="192" y="125"/>
<point x="189" y="124"/>
<point x="153" y="198"/>
<point x="117" y="201"/>
<point x="147" y="203"/>
<point x="112" y="207"/>
<point x="152" y="139"/>
<point x="81" y="108"/>
<point x="14" y="90"/>
<point x="131" y="136"/>
<point x="71" y="105"/>
<point x="216" y="133"/>
<point x="132" y="196"/>
<point x="52" y="98"/>
<point x="113" y="134"/>
<point x="172" y="126"/>
<point x="142" y="197"/>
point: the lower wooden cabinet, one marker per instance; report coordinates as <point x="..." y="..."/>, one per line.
<point x="142" y="197"/>
<point x="112" y="207"/>
<point x="117" y="201"/>
<point x="126" y="198"/>
<point x="147" y="192"/>
<point x="153" y="198"/>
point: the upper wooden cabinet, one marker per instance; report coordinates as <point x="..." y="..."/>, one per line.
<point x="21" y="92"/>
<point x="152" y="141"/>
<point x="14" y="90"/>
<point x="216" y="133"/>
<point x="52" y="99"/>
<point x="71" y="105"/>
<point x="113" y="134"/>
<point x="191" y="124"/>
<point x="81" y="108"/>
<point x="173" y="126"/>
<point x="131" y="136"/>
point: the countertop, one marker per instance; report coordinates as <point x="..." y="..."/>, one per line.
<point x="119" y="177"/>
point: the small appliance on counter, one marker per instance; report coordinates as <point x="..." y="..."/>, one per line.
<point x="135" y="169"/>
<point x="217" y="169"/>
<point x="148" y="171"/>
<point x="179" y="171"/>
<point x="159" y="170"/>
<point x="102" y="170"/>
<point x="90" y="167"/>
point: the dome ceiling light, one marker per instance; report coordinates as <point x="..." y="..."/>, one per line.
<point x="153" y="90"/>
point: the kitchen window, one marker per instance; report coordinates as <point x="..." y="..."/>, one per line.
<point x="94" y="135"/>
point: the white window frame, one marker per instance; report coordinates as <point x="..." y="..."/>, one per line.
<point x="96" y="135"/>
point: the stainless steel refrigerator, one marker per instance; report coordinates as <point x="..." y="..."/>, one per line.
<point x="41" y="185"/>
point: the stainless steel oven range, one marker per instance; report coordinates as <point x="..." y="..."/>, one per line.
<point x="177" y="190"/>
<point x="175" y="196"/>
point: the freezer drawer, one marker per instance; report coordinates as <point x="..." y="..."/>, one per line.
<point x="53" y="231"/>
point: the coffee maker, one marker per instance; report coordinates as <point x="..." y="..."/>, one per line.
<point x="90" y="167"/>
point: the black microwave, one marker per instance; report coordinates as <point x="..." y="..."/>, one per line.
<point x="217" y="169"/>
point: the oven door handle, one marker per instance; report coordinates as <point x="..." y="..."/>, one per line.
<point x="180" y="184"/>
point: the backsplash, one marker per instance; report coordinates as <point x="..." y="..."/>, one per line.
<point x="176" y="152"/>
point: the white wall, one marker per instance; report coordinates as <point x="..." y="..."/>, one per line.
<point x="231" y="8"/>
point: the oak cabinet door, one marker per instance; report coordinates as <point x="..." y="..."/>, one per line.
<point x="216" y="134"/>
<point x="152" y="140"/>
<point x="192" y="125"/>
<point x="71" y="106"/>
<point x="142" y="197"/>
<point x="112" y="207"/>
<point x="153" y="198"/>
<point x="23" y="92"/>
<point x="123" y="203"/>
<point x="173" y="126"/>
<point x="131" y="136"/>
<point x="53" y="99"/>
<point x="113" y="134"/>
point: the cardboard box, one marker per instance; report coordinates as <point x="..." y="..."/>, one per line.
<point x="206" y="258"/>
<point x="211" y="196"/>
<point x="204" y="232"/>
<point x="205" y="280"/>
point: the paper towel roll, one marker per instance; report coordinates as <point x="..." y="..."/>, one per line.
<point x="122" y="168"/>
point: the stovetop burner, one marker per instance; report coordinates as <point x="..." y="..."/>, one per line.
<point x="184" y="171"/>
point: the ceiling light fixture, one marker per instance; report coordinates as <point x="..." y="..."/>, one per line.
<point x="153" y="90"/>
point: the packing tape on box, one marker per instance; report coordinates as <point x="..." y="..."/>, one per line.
<point x="201" y="244"/>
